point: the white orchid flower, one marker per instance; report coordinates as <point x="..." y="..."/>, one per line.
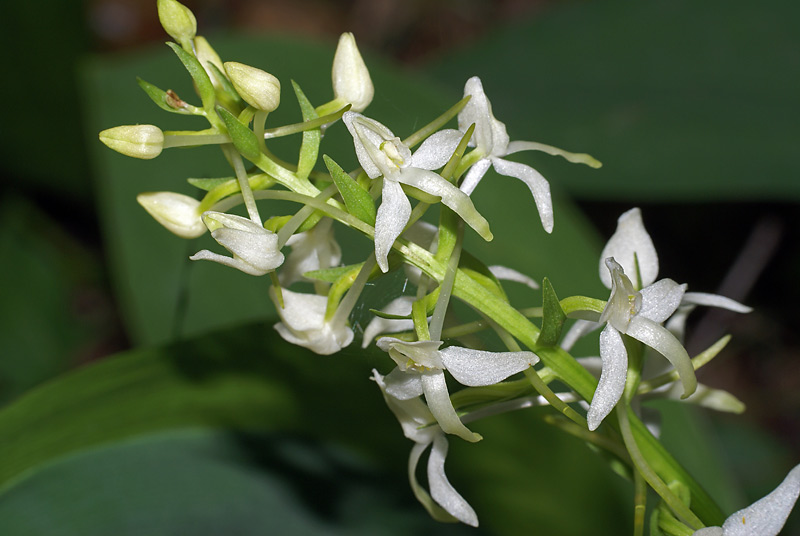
<point x="380" y="152"/>
<point x="255" y="249"/>
<point x="303" y="323"/>
<point x="492" y="143"/>
<point x="638" y="315"/>
<point x="444" y="503"/>
<point x="764" y="517"/>
<point x="315" y="249"/>
<point x="420" y="370"/>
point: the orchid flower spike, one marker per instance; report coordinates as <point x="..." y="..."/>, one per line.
<point x="380" y="152"/>
<point x="303" y="323"/>
<point x="444" y="503"/>
<point x="315" y="249"/>
<point x="492" y="144"/>
<point x="764" y="517"/>
<point x="255" y="249"/>
<point x="420" y="370"/>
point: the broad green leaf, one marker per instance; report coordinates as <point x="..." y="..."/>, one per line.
<point x="309" y="149"/>
<point x="207" y="482"/>
<point x="203" y="83"/>
<point x="553" y="316"/>
<point x="357" y="199"/>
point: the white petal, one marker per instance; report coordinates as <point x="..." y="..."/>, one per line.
<point x="368" y="135"/>
<point x="453" y="198"/>
<point x="478" y="111"/>
<point x="612" y="379"/>
<point x="436" y="150"/>
<point x="391" y="218"/>
<point x="413" y="415"/>
<point x="403" y="385"/>
<point x="709" y="531"/>
<point x="474" y="175"/>
<point x="661" y="299"/>
<point x="439" y="403"/>
<point x="537" y="184"/>
<point x="303" y="323"/>
<point x="624" y="301"/>
<point x="414" y="355"/>
<point x="629" y="238"/>
<point x="509" y="274"/>
<point x="766" y="516"/>
<point x="661" y="340"/>
<point x="259" y="250"/>
<point x="239" y="264"/>
<point x="442" y="491"/>
<point x="714" y="300"/>
<point x="476" y="367"/>
<point x="398" y="306"/>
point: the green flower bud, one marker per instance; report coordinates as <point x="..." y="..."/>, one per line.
<point x="206" y="54"/>
<point x="179" y="213"/>
<point x="138" y="141"/>
<point x="258" y="88"/>
<point x="178" y="20"/>
<point x="351" y="80"/>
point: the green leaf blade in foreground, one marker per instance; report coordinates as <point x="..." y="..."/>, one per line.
<point x="553" y="316"/>
<point x="243" y="138"/>
<point x="203" y="83"/>
<point x="357" y="199"/>
<point x="309" y="149"/>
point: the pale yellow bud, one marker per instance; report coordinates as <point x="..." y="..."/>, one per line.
<point x="351" y="80"/>
<point x="179" y="213"/>
<point x="138" y="141"/>
<point x="206" y="54"/>
<point x="177" y="20"/>
<point x="258" y="88"/>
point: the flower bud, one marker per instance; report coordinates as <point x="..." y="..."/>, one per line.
<point x="258" y="88"/>
<point x="255" y="249"/>
<point x="351" y="81"/>
<point x="179" y="213"/>
<point x="177" y="20"/>
<point x="206" y="54"/>
<point x="138" y="141"/>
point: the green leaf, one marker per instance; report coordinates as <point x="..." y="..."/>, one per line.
<point x="330" y="275"/>
<point x="243" y="138"/>
<point x="209" y="184"/>
<point x="553" y="316"/>
<point x="159" y="96"/>
<point x="309" y="149"/>
<point x="356" y="199"/>
<point x="203" y="83"/>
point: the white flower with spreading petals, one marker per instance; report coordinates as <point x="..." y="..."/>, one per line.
<point x="380" y="152"/>
<point x="255" y="249"/>
<point x="764" y="517"/>
<point x="492" y="143"/>
<point x="315" y="249"/>
<point x="420" y="370"/>
<point x="443" y="503"/>
<point x="303" y="323"/>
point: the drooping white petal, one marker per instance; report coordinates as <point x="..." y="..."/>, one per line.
<point x="403" y="385"/>
<point x="391" y="218"/>
<point x="239" y="264"/>
<point x="474" y="175"/>
<point x="661" y="299"/>
<point x="505" y="273"/>
<point x="438" y="399"/>
<point x="413" y="415"/>
<point x="629" y="238"/>
<point x="537" y="184"/>
<point x="612" y="379"/>
<point x="436" y="150"/>
<point x="476" y="367"/>
<point x="398" y="306"/>
<point x="766" y="516"/>
<point x="442" y="491"/>
<point x="714" y="300"/>
<point x="661" y="340"/>
<point x="453" y="198"/>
